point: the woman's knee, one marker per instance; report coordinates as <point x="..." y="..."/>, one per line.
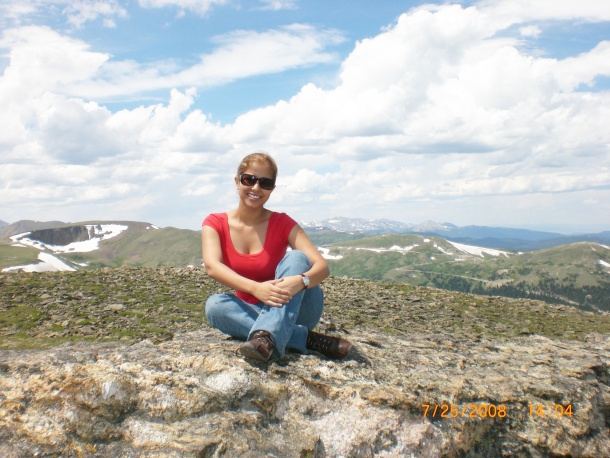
<point x="214" y="307"/>
<point x="296" y="255"/>
<point x="294" y="262"/>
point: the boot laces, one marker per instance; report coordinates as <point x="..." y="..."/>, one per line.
<point x="321" y="342"/>
<point x="264" y="338"/>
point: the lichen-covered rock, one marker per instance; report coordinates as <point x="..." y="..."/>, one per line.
<point x="422" y="395"/>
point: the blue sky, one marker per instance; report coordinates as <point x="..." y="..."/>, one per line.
<point x="489" y="112"/>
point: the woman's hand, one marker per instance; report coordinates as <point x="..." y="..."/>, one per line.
<point x="294" y="284"/>
<point x="271" y="293"/>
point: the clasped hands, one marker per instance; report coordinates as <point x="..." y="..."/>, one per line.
<point x="278" y="292"/>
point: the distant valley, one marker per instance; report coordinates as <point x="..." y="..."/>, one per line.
<point x="471" y="259"/>
<point x="576" y="274"/>
<point x="37" y="246"/>
<point x="490" y="237"/>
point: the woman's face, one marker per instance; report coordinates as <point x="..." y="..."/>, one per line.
<point x="255" y="196"/>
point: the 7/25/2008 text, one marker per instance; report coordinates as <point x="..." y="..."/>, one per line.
<point x="467" y="410"/>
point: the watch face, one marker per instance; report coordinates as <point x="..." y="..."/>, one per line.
<point x="305" y="280"/>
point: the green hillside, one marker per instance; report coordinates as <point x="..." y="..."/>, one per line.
<point x="569" y="274"/>
<point x="16" y="256"/>
<point x="327" y="237"/>
<point x="140" y="247"/>
<point x="575" y="274"/>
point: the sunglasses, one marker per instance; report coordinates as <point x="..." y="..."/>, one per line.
<point x="250" y="180"/>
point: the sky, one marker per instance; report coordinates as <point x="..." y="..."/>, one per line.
<point x="490" y="112"/>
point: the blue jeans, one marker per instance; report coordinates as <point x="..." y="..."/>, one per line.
<point x="288" y="324"/>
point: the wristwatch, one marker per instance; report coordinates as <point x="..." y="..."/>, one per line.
<point x="305" y="279"/>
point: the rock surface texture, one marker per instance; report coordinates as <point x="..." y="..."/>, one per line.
<point x="192" y="396"/>
<point x="432" y="374"/>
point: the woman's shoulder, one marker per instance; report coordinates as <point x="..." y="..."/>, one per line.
<point x="282" y="218"/>
<point x="214" y="219"/>
<point x="280" y="215"/>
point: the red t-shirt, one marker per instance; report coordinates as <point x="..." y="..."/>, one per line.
<point x="259" y="266"/>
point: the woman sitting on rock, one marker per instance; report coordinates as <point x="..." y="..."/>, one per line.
<point x="278" y="299"/>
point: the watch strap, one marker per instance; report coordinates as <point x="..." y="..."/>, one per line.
<point x="305" y="279"/>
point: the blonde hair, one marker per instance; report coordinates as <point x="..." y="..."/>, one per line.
<point x="258" y="157"/>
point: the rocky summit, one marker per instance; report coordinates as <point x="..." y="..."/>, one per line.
<point x="112" y="369"/>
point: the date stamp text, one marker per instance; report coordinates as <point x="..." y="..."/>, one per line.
<point x="484" y="410"/>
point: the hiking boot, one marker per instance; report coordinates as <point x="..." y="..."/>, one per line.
<point x="259" y="347"/>
<point x="331" y="347"/>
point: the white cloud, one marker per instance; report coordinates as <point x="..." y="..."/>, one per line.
<point x="583" y="69"/>
<point x="247" y="53"/>
<point x="196" y="6"/>
<point x="238" y="55"/>
<point x="530" y="31"/>
<point x="42" y="59"/>
<point x="79" y="12"/>
<point x="12" y="11"/>
<point x="443" y="113"/>
<point x="443" y="88"/>
<point x="516" y="11"/>
<point x="42" y="63"/>
<point x="276" y="5"/>
<point x="76" y="12"/>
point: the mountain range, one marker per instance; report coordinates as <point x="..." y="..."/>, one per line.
<point x="350" y="228"/>
<point x="490" y="237"/>
<point x="575" y="272"/>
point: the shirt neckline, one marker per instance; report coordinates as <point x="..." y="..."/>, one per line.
<point x="230" y="240"/>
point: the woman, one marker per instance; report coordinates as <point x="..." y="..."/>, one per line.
<point x="278" y="299"/>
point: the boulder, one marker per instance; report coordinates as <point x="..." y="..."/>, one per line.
<point x="423" y="395"/>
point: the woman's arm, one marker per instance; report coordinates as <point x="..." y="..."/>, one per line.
<point x="266" y="292"/>
<point x="298" y="240"/>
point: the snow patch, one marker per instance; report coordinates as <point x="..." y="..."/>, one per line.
<point x="393" y="248"/>
<point x="442" y="250"/>
<point x="402" y="250"/>
<point x="49" y="263"/>
<point x="479" y="251"/>
<point x="604" y="263"/>
<point x="325" y="254"/>
<point x="97" y="233"/>
<point x="374" y="250"/>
